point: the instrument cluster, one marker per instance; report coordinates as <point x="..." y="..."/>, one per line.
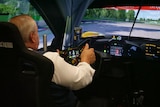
<point x="117" y="47"/>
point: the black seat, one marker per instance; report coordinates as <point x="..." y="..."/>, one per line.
<point x="25" y="75"/>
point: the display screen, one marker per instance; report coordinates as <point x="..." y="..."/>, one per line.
<point x="116" y="50"/>
<point x="73" y="53"/>
<point x="152" y="50"/>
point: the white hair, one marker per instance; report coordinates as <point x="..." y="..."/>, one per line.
<point x="25" y="24"/>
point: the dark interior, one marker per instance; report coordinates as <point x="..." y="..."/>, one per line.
<point x="25" y="75"/>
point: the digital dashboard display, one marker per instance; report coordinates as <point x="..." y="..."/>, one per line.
<point x="152" y="50"/>
<point x="73" y="53"/>
<point x="116" y="50"/>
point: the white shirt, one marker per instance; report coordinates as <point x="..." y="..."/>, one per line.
<point x="65" y="74"/>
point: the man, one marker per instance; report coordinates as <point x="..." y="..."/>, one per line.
<point x="66" y="76"/>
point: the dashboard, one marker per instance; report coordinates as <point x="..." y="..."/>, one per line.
<point x="122" y="47"/>
<point x="117" y="47"/>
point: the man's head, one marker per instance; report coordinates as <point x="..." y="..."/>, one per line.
<point x="28" y="29"/>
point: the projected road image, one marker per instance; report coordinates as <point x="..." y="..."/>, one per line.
<point x="123" y="28"/>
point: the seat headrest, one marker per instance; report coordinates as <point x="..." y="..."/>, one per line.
<point x="10" y="37"/>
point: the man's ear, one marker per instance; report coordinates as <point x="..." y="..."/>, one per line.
<point x="32" y="37"/>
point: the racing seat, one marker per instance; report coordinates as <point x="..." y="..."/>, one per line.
<point x="25" y="75"/>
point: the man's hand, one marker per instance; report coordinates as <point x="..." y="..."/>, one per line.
<point x="88" y="55"/>
<point x="58" y="51"/>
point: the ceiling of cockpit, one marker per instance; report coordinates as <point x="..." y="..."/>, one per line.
<point x="55" y="12"/>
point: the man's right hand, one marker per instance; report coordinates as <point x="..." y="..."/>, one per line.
<point x="88" y="54"/>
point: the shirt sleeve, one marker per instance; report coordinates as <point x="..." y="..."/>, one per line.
<point x="65" y="74"/>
